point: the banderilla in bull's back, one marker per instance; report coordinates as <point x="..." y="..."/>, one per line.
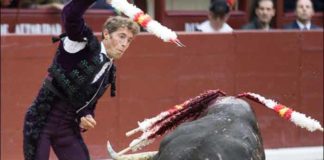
<point x="192" y="109"/>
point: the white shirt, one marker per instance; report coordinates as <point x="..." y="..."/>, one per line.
<point x="303" y="26"/>
<point x="206" y="27"/>
<point x="107" y="64"/>
<point x="73" y="47"/>
<point x="103" y="50"/>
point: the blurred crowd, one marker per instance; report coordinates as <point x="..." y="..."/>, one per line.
<point x="261" y="13"/>
<point x="43" y="4"/>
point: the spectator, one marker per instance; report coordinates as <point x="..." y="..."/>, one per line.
<point x="4" y="3"/>
<point x="54" y="4"/>
<point x="264" y="12"/>
<point x="217" y="17"/>
<point x="101" y="4"/>
<point x="33" y="4"/>
<point x="304" y="11"/>
<point x="290" y="5"/>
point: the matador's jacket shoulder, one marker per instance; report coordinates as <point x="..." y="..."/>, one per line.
<point x="78" y="79"/>
<point x="83" y="75"/>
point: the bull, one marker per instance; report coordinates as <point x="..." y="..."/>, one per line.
<point x="225" y="128"/>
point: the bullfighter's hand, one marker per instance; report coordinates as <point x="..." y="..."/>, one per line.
<point x="108" y="1"/>
<point x="87" y="122"/>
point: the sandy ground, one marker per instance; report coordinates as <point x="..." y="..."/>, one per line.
<point x="298" y="153"/>
<point x="302" y="153"/>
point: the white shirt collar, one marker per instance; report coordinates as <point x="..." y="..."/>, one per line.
<point x="302" y="26"/>
<point x="103" y="50"/>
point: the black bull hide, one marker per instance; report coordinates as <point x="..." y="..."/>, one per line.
<point x="227" y="131"/>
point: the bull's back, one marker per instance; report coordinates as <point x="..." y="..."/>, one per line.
<point x="228" y="132"/>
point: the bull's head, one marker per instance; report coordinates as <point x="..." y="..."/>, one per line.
<point x="192" y="109"/>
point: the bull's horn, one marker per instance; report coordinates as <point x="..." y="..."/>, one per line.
<point x="137" y="156"/>
<point x="111" y="151"/>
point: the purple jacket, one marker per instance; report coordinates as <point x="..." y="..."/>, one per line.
<point x="78" y="77"/>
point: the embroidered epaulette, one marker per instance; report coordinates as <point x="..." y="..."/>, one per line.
<point x="76" y="84"/>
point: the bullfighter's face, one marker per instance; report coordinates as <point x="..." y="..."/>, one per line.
<point x="116" y="43"/>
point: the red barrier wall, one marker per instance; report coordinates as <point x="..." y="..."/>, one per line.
<point x="153" y="76"/>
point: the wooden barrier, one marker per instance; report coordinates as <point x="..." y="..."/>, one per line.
<point x="153" y="76"/>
